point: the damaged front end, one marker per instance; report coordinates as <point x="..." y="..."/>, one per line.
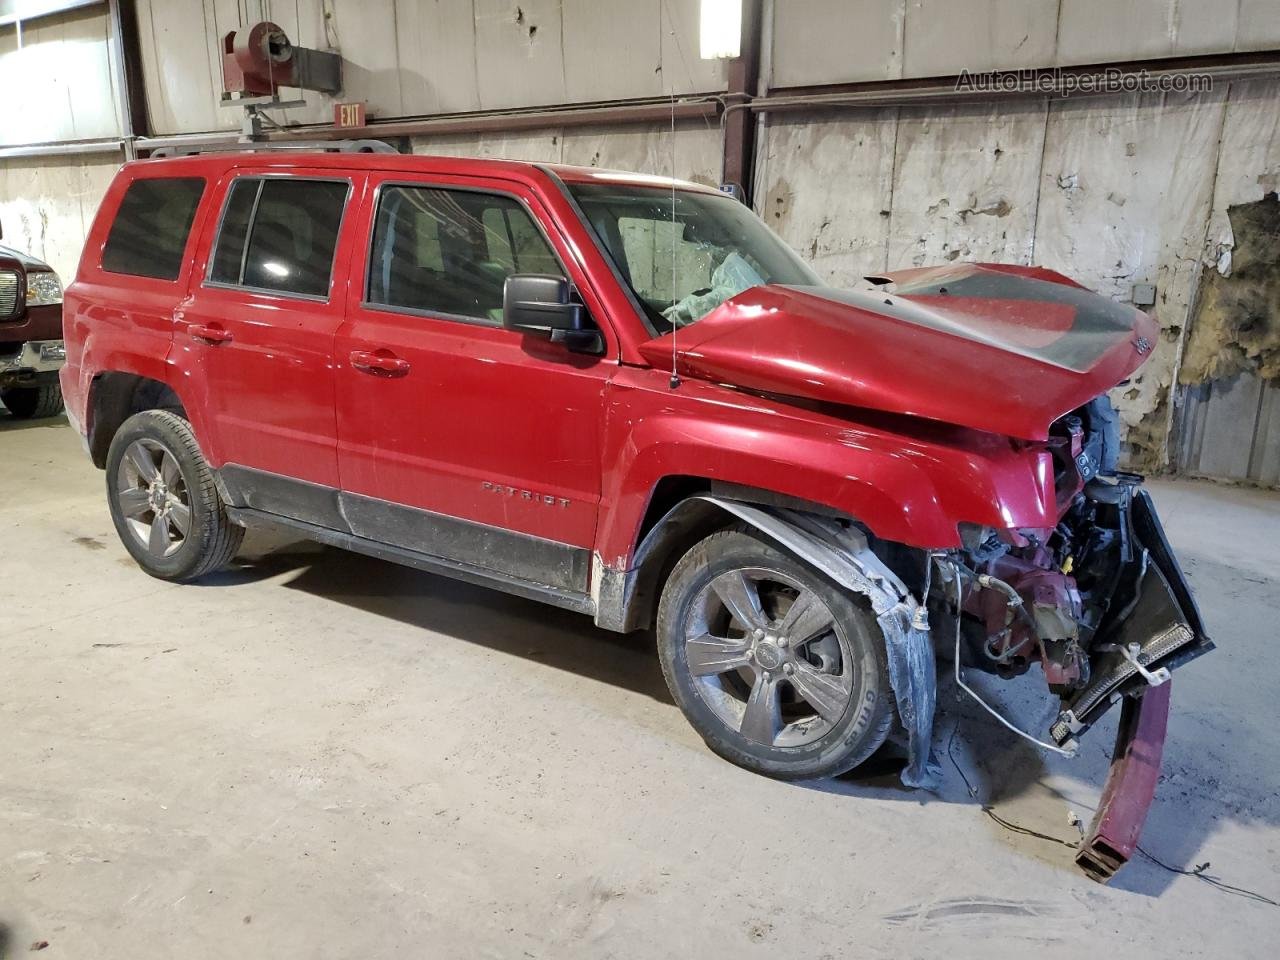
<point x="1100" y="602"/>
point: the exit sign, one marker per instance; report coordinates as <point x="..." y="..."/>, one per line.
<point x="348" y="115"/>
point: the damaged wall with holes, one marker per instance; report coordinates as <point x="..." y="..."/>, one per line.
<point x="408" y="58"/>
<point x="1113" y="191"/>
<point x="1229" y="397"/>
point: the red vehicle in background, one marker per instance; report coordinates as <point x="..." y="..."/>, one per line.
<point x="31" y="350"/>
<point x="627" y="397"/>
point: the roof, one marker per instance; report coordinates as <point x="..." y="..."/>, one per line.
<point x="216" y="163"/>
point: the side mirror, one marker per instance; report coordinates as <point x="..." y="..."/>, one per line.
<point x="539" y="305"/>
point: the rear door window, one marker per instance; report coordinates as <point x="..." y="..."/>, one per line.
<point x="280" y="234"/>
<point x="148" y="237"/>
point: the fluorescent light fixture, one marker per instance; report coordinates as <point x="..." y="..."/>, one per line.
<point x="720" y="34"/>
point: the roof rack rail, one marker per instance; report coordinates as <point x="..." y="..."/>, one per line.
<point x="287" y="146"/>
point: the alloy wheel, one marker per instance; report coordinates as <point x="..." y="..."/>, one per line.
<point x="769" y="657"/>
<point x="153" y="497"/>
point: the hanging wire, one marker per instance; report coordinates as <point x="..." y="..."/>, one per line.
<point x="1052" y="748"/>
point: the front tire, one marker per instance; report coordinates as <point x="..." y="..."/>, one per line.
<point x="780" y="670"/>
<point x="163" y="499"/>
<point x="29" y="403"/>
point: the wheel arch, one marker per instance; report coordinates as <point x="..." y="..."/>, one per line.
<point x="681" y="511"/>
<point x="115" y="396"/>
<point x="830" y="543"/>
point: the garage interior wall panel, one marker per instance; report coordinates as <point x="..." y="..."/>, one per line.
<point x="1230" y="427"/>
<point x="945" y="37"/>
<point x="58" y="84"/>
<point x="1125" y="195"/>
<point x="843" y="41"/>
<point x="1112" y="191"/>
<point x="644" y="148"/>
<point x="966" y="183"/>
<point x="411" y="58"/>
<point x="48" y="203"/>
<point x="825" y="183"/>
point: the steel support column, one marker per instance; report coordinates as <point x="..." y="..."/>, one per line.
<point x="740" y="125"/>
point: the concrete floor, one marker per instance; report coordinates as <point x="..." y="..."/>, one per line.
<point x="321" y="755"/>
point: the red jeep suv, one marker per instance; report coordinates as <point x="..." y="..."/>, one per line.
<point x="625" y="396"/>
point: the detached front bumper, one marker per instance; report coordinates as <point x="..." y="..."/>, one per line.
<point x="1154" y="625"/>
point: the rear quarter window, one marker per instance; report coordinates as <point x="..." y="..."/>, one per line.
<point x="149" y="234"/>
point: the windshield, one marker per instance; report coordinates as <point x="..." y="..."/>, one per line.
<point x="682" y="264"/>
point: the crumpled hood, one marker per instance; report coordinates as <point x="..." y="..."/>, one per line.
<point x="999" y="348"/>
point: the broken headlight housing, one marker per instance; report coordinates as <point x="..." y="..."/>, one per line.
<point x="43" y="288"/>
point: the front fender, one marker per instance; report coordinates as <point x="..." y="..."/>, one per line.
<point x="905" y="480"/>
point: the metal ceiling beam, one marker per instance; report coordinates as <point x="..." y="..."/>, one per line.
<point x="64" y="149"/>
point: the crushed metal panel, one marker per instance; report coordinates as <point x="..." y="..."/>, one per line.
<point x="825" y="183"/>
<point x="1104" y="218"/>
<point x="837" y="41"/>
<point x="944" y="37"/>
<point x="965" y="184"/>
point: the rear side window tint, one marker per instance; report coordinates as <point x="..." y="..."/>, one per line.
<point x="149" y="234"/>
<point x="280" y="235"/>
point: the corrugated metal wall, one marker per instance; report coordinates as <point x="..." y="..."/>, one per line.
<point x="409" y="58"/>
<point x="835" y="41"/>
<point x="57" y="84"/>
<point x="1230" y="429"/>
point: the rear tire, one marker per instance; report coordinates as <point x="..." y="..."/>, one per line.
<point x="779" y="669"/>
<point x="28" y="403"/>
<point x="164" y="501"/>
